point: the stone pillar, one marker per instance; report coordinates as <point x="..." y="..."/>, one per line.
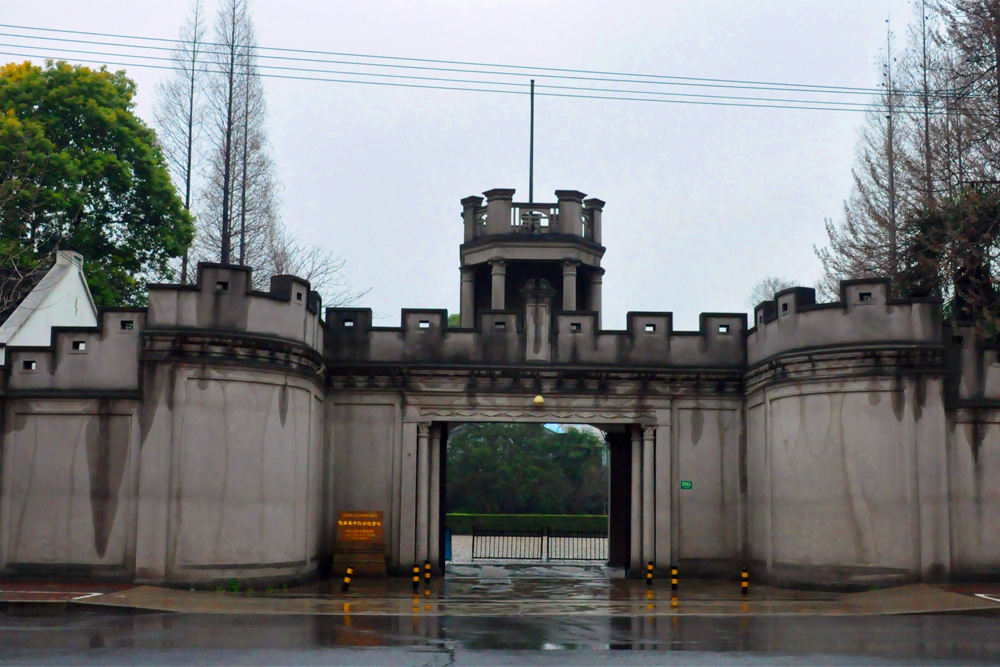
<point x="469" y="207"/>
<point x="648" y="509"/>
<point x="499" y="275"/>
<point x="423" y="484"/>
<point x="498" y="206"/>
<point x="635" y="544"/>
<point x="468" y="305"/>
<point x="434" y="533"/>
<point x="569" y="284"/>
<point x="538" y="320"/>
<point x="570" y="212"/>
<point x="596" y="209"/>
<point x="596" y="282"/>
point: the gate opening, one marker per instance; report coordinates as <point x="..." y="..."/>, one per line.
<point x="532" y="494"/>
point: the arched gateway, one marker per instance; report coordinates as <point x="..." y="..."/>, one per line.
<point x="220" y="432"/>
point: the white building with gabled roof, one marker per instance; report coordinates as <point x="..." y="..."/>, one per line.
<point x="35" y="301"/>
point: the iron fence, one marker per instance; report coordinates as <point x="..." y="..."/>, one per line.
<point x="576" y="545"/>
<point x="538" y="544"/>
<point x="507" y="543"/>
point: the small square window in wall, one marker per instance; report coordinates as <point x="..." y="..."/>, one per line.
<point x="127" y="325"/>
<point x="499" y="325"/>
<point x="575" y="327"/>
<point x="723" y="328"/>
<point x="784" y="307"/>
<point x="651" y="328"/>
<point x="424" y="324"/>
<point x="348" y="323"/>
<point x="222" y="286"/>
<point x="29" y="365"/>
<point x="298" y="296"/>
<point x="865" y="297"/>
<point x="79" y="346"/>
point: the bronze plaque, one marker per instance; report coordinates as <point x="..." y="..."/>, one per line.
<point x="359" y="527"/>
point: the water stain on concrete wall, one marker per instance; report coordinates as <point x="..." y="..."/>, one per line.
<point x="107" y="439"/>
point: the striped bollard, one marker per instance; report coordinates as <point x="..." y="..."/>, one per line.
<point x="649" y="573"/>
<point x="673" y="577"/>
<point x="347" y="578"/>
<point x="427" y="572"/>
<point x="416" y="576"/>
<point x="745" y="583"/>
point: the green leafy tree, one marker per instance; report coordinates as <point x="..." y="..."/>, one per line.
<point x="525" y="469"/>
<point x="82" y="171"/>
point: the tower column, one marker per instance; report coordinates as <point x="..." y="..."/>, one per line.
<point x="434" y="532"/>
<point x="569" y="284"/>
<point x="596" y="281"/>
<point x="648" y="516"/>
<point x="423" y="484"/>
<point x="499" y="275"/>
<point x="468" y="306"/>
<point x="635" y="535"/>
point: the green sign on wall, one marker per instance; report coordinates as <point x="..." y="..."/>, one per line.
<point x="685" y="485"/>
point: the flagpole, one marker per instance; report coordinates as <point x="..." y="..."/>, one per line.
<point x="531" y="149"/>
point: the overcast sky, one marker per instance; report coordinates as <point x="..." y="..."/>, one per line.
<point x="702" y="201"/>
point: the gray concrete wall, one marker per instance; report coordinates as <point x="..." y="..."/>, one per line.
<point x="973" y="450"/>
<point x="707" y="436"/>
<point x="246" y="476"/>
<point x="69" y="475"/>
<point x="847" y="477"/>
<point x="365" y="443"/>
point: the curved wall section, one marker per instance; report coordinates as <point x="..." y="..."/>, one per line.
<point x="847" y="475"/>
<point x="246" y="476"/>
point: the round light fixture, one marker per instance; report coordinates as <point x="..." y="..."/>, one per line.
<point x="539" y="400"/>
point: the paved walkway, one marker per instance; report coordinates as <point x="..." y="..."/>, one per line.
<point x="496" y="590"/>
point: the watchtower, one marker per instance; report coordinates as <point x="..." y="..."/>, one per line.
<point x="521" y="255"/>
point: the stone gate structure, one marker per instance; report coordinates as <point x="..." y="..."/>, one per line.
<point x="216" y="433"/>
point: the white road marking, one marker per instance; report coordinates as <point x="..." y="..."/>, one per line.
<point x="78" y="595"/>
<point x="991" y="598"/>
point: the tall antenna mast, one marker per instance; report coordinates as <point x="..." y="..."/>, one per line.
<point x="531" y="149"/>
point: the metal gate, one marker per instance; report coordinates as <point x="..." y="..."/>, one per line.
<point x="543" y="544"/>
<point x="507" y="543"/>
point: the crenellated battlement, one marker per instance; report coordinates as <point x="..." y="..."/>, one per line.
<point x="864" y="315"/>
<point x="223" y="299"/>
<point x="104" y="358"/>
<point x="514" y="338"/>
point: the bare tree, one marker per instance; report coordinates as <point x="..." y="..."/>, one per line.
<point x="240" y="202"/>
<point x="765" y="290"/>
<point x="233" y="42"/>
<point x="322" y="268"/>
<point x="179" y="111"/>
<point x="971" y="31"/>
<point x="867" y="242"/>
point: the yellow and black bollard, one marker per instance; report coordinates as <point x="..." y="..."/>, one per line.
<point x="427" y="573"/>
<point x="347" y="578"/>
<point x="673" y="577"/>
<point x="649" y="573"/>
<point x="416" y="576"/>
<point x="745" y="583"/>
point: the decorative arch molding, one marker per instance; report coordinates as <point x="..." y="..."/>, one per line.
<point x="566" y="416"/>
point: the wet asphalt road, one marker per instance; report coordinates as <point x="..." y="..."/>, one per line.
<point x="85" y="637"/>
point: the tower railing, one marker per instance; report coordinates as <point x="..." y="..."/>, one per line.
<point x="529" y="218"/>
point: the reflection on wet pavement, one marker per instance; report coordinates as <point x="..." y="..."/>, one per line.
<point x="904" y="638"/>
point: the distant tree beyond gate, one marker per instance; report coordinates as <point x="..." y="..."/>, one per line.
<point x="525" y="469"/>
